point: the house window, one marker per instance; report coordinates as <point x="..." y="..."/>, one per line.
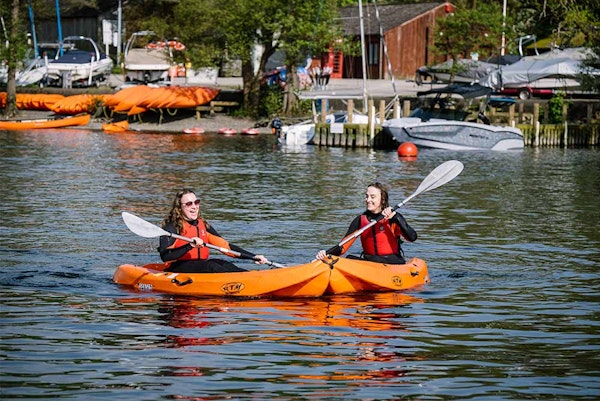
<point x="373" y="54"/>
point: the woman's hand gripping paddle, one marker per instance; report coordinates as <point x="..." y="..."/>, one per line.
<point x="442" y="174"/>
<point x="146" y="229"/>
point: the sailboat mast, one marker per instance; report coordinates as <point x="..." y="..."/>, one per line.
<point x="362" y="51"/>
<point x="385" y="50"/>
<point x="59" y="27"/>
<point x="33" y="35"/>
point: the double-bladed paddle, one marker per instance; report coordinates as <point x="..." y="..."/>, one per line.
<point x="146" y="229"/>
<point x="442" y="174"/>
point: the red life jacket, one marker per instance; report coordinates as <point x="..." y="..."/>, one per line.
<point x="192" y="231"/>
<point x="379" y="239"/>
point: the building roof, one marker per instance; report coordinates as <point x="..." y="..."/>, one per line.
<point x="391" y="16"/>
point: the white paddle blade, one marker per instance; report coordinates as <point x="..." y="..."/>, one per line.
<point x="442" y="174"/>
<point x="141" y="227"/>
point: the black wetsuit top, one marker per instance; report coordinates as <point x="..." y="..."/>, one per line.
<point x="407" y="231"/>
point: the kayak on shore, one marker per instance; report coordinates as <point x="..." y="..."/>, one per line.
<point x="338" y="275"/>
<point x="49" y="122"/>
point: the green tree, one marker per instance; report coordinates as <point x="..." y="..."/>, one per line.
<point x="307" y="29"/>
<point x="253" y="31"/>
<point x="12" y="51"/>
<point x="469" y="30"/>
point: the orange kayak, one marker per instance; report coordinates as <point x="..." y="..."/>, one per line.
<point x="336" y="276"/>
<point x="52" y="122"/>
<point x="309" y="280"/>
<point x="351" y="276"/>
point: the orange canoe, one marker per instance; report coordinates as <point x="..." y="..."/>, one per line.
<point x="52" y="122"/>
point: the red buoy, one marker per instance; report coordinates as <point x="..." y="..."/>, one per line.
<point x="407" y="149"/>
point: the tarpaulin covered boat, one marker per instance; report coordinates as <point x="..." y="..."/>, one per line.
<point x="337" y="275"/>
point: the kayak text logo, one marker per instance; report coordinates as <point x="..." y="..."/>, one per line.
<point x="232" y="288"/>
<point x="397" y="281"/>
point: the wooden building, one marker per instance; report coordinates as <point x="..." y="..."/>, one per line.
<point x="407" y="32"/>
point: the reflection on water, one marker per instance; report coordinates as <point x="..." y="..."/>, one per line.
<point x="512" y="247"/>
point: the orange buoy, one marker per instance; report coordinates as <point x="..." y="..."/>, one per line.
<point x="119" y="126"/>
<point x="407" y="149"/>
<point x="227" y="131"/>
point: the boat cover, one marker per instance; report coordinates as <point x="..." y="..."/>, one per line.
<point x="467" y="91"/>
<point x="554" y="64"/>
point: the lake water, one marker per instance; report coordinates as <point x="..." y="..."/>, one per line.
<point x="512" y="244"/>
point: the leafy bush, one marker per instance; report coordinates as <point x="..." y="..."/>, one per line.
<point x="555" y="108"/>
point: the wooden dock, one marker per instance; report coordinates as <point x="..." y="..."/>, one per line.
<point x="585" y="132"/>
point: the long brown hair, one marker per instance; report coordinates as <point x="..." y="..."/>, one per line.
<point x="385" y="198"/>
<point x="175" y="216"/>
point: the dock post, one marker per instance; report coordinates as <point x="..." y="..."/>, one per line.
<point x="371" y="119"/>
<point x="406" y="108"/>
<point x="350" y="109"/>
<point x="396" y="113"/>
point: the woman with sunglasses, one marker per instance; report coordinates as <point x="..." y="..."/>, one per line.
<point x="181" y="256"/>
<point x="381" y="242"/>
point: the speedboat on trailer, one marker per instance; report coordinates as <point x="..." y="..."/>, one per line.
<point x="82" y="64"/>
<point x="442" y="122"/>
<point x="146" y="58"/>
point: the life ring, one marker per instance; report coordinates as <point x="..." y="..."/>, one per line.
<point x="227" y="131"/>
<point x="151" y="45"/>
<point x="194" y="130"/>
<point x="176" y="45"/>
<point x="250" y="131"/>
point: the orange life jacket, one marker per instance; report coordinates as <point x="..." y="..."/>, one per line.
<point x="381" y="239"/>
<point x="192" y="231"/>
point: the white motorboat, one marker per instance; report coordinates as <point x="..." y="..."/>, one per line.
<point x="33" y="68"/>
<point x="297" y="134"/>
<point x="147" y="59"/>
<point x="33" y="71"/>
<point x="441" y="123"/>
<point x="81" y="64"/>
<point x="304" y="132"/>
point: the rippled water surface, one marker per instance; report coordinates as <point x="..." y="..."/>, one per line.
<point x="512" y="245"/>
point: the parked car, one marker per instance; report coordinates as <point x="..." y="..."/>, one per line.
<point x="526" y="92"/>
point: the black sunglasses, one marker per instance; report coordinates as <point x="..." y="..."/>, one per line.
<point x="190" y="203"/>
